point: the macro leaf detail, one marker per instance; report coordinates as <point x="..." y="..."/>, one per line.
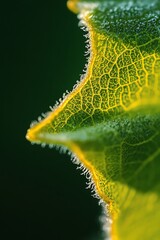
<point x="111" y="119"/>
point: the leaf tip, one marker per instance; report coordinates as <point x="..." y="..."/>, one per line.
<point x="34" y="132"/>
<point x="30" y="136"/>
<point x="73" y="6"/>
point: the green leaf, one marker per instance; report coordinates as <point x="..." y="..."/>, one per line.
<point x="111" y="119"/>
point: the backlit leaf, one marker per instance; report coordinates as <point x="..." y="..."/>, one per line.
<point x="111" y="119"/>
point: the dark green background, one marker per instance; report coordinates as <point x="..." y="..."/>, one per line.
<point x="42" y="195"/>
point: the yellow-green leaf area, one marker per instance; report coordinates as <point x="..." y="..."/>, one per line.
<point x="111" y="119"/>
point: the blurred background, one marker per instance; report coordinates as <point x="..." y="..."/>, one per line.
<point x="42" y="195"/>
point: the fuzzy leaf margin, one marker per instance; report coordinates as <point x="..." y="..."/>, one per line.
<point x="111" y="120"/>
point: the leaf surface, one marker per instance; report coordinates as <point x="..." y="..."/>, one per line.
<point x="111" y="119"/>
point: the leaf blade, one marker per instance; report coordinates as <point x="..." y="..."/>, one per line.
<point x="120" y="90"/>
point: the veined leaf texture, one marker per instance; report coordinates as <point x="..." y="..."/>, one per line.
<point x="111" y="119"/>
